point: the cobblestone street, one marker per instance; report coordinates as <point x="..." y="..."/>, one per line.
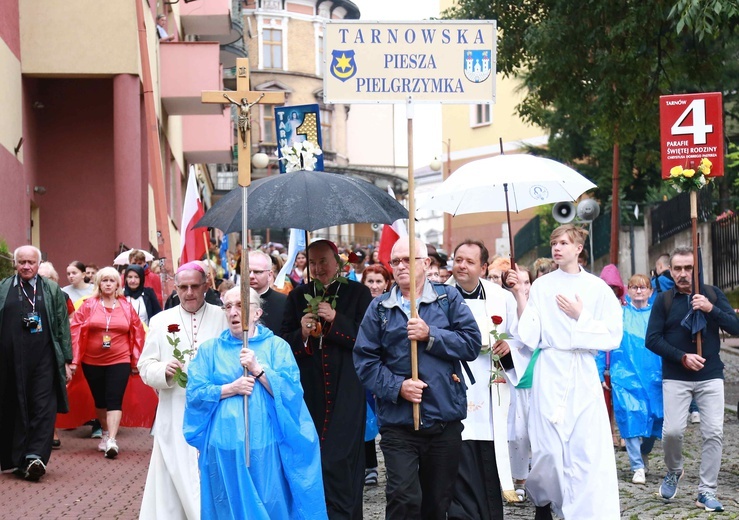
<point x="81" y="483"/>
<point x="643" y="502"/>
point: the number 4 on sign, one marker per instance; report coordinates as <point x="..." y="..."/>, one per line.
<point x="699" y="129"/>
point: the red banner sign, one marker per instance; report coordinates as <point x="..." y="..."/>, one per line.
<point x="691" y="129"/>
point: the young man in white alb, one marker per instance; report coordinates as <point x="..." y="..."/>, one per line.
<point x="570" y="314"/>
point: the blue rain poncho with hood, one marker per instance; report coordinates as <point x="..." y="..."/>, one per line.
<point x="636" y="379"/>
<point x="284" y="479"/>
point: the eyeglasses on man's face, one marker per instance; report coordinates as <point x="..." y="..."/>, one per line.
<point x="190" y="287"/>
<point x="395" y="262"/>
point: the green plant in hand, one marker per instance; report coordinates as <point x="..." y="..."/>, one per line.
<point x="180" y="376"/>
<point x="322" y="296"/>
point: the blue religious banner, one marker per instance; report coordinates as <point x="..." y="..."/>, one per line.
<point x="296" y="124"/>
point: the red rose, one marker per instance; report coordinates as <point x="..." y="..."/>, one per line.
<point x="353" y="258"/>
<point x="173" y="328"/>
<point x="497" y="320"/>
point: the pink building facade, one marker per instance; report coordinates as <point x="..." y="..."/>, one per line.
<point x="79" y="183"/>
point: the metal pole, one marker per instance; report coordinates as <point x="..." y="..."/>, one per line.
<point x="508" y="218"/>
<point x="245" y="302"/>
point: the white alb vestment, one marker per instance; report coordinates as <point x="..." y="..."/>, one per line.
<point x="172" y="484"/>
<point x="573" y="464"/>
<point x="478" y="425"/>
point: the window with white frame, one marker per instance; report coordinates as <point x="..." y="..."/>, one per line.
<point x="319" y="54"/>
<point x="480" y="115"/>
<point x="268" y="124"/>
<point x="326" y="128"/>
<point x="272" y="48"/>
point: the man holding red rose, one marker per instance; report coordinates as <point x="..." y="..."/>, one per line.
<point x="172" y="484"/>
<point x="485" y="436"/>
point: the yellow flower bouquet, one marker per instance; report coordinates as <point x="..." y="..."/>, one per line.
<point x="683" y="179"/>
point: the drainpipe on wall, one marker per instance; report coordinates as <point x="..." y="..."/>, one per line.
<point x="164" y="247"/>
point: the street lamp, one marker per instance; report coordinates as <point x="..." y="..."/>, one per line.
<point x="260" y="160"/>
<point x="436" y="165"/>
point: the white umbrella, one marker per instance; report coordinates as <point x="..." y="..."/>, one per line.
<point x="507" y="183"/>
<point x="122" y="259"/>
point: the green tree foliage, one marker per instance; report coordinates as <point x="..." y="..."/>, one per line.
<point x="6" y="261"/>
<point x="593" y="72"/>
<point x="704" y="17"/>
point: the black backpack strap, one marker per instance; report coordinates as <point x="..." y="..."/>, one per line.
<point x="443" y="300"/>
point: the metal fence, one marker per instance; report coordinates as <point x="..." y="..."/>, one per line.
<point x="528" y="237"/>
<point x="601" y="235"/>
<point x="673" y="216"/>
<point x="725" y="251"/>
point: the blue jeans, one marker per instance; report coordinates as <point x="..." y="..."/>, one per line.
<point x="637" y="448"/>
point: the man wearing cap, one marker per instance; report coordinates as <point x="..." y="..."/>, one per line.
<point x="322" y="344"/>
<point x="357" y="259"/>
<point x="172" y="484"/>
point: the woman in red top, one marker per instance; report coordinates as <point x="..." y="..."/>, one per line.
<point x="107" y="338"/>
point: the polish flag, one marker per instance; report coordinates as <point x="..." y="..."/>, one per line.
<point x="193" y="243"/>
<point x="390" y="235"/>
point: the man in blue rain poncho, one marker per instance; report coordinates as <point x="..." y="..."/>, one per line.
<point x="284" y="478"/>
<point x="636" y="380"/>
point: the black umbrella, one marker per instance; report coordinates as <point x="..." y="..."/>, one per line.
<point x="304" y="200"/>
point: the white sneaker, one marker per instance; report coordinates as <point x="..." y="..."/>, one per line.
<point x="639" y="477"/>
<point x="111" y="449"/>
<point x="103" y="444"/>
<point x="695" y="417"/>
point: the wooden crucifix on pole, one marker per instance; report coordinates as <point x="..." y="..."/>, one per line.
<point x="244" y="99"/>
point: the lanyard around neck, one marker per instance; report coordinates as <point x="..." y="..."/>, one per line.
<point x="22" y="288"/>
<point x="108" y="316"/>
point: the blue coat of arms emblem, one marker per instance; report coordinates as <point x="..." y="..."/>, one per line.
<point x="477" y="66"/>
<point x="343" y="65"/>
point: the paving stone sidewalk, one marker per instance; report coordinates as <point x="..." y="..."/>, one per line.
<point x="642" y="502"/>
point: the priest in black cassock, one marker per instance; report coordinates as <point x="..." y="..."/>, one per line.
<point x="35" y="352"/>
<point x="333" y="392"/>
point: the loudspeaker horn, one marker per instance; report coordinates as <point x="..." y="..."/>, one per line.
<point x="563" y="212"/>
<point x="376" y="227"/>
<point x="588" y="210"/>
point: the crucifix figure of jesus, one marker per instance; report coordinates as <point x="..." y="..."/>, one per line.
<point x="246" y="100"/>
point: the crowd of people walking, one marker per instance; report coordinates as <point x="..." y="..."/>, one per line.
<point x="274" y="411"/>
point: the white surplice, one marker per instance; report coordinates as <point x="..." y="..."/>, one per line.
<point x="478" y="425"/>
<point x="573" y="464"/>
<point x="172" y="484"/>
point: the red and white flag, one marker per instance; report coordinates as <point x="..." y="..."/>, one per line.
<point x="193" y="241"/>
<point x="390" y="235"/>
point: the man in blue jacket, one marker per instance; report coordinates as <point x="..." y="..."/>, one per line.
<point x="421" y="465"/>
<point x="687" y="375"/>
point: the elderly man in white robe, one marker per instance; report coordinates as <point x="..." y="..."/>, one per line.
<point x="172" y="485"/>
<point x="570" y="314"/>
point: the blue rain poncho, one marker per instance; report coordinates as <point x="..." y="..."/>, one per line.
<point x="284" y="478"/>
<point x="636" y="379"/>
